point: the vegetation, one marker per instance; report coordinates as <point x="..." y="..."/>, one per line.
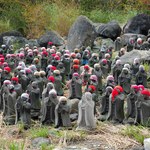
<point x="34" y="17"/>
<point x="138" y="133"/>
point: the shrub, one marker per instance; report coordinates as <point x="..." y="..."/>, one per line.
<point x="106" y="16"/>
<point x="5" y="26"/>
<point x="12" y="11"/>
<point x="61" y="16"/>
<point x="36" y="19"/>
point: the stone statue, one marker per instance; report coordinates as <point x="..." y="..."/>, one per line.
<point x="93" y="60"/>
<point x="104" y="67"/>
<point x="116" y="70"/>
<point x="85" y="75"/>
<point x="9" y="106"/>
<point x="17" y="86"/>
<point x="141" y="76"/>
<point x="98" y="72"/>
<point x="135" y="66"/>
<point x="62" y="113"/>
<point x="23" y="108"/>
<point x="34" y="95"/>
<point x="142" y="107"/>
<point x="131" y="100"/>
<point x="125" y="80"/>
<point x="118" y="44"/>
<point x="58" y="83"/>
<point x="116" y="105"/>
<point x="75" y="87"/>
<point x="86" y="118"/>
<point x="48" y="108"/>
<point x="104" y="104"/>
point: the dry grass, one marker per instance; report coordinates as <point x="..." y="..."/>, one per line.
<point x="106" y="133"/>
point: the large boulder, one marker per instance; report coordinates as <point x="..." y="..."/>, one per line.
<point x="15" y="40"/>
<point x="139" y="24"/>
<point x="130" y="56"/>
<point x="9" y="33"/>
<point x="110" y="30"/>
<point x="33" y="42"/>
<point x="125" y="37"/>
<point x="50" y="36"/>
<point x="82" y="33"/>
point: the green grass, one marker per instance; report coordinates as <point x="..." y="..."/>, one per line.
<point x="136" y="132"/>
<point x="38" y="132"/>
<point x="5" y="26"/>
<point x="16" y="146"/>
<point x="47" y="147"/>
<point x="106" y="16"/>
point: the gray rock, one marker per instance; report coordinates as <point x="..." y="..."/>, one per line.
<point x="40" y="141"/>
<point x="138" y="148"/>
<point x="140" y="24"/>
<point x="33" y="42"/>
<point x="73" y="103"/>
<point x="15" y="40"/>
<point x="130" y="56"/>
<point x="125" y="37"/>
<point x="82" y="33"/>
<point x="50" y="36"/>
<point x="107" y="42"/>
<point x="9" y="33"/>
<point x="74" y="116"/>
<point x="110" y="30"/>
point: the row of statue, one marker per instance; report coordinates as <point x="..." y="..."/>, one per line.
<point x="58" y="87"/>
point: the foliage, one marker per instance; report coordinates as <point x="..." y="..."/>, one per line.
<point x="39" y="132"/>
<point x="47" y="147"/>
<point x="106" y="16"/>
<point x="136" y="132"/>
<point x="34" y="17"/>
<point x="5" y="26"/>
<point x="16" y="146"/>
<point x="61" y="16"/>
<point x="12" y="10"/>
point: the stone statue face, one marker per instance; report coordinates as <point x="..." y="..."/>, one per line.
<point x="34" y="85"/>
<point x="50" y="87"/>
<point x="24" y="99"/>
<point x="94" y="57"/>
<point x="53" y="95"/>
<point x="14" y="82"/>
<point x="125" y="72"/>
<point x="108" y="92"/>
<point x="97" y="68"/>
<point x="57" y="75"/>
<point x="76" y="77"/>
<point x="63" y="102"/>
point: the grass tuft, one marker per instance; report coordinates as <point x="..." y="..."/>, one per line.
<point x="38" y="132"/>
<point x="138" y="133"/>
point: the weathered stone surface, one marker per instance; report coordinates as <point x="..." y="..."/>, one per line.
<point x="139" y="24"/>
<point x="50" y="36"/>
<point x="125" y="37"/>
<point x="130" y="56"/>
<point x="39" y="141"/>
<point x="110" y="30"/>
<point x="9" y="33"/>
<point x="33" y="42"/>
<point x="73" y="103"/>
<point x="82" y="33"/>
<point x="15" y="40"/>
